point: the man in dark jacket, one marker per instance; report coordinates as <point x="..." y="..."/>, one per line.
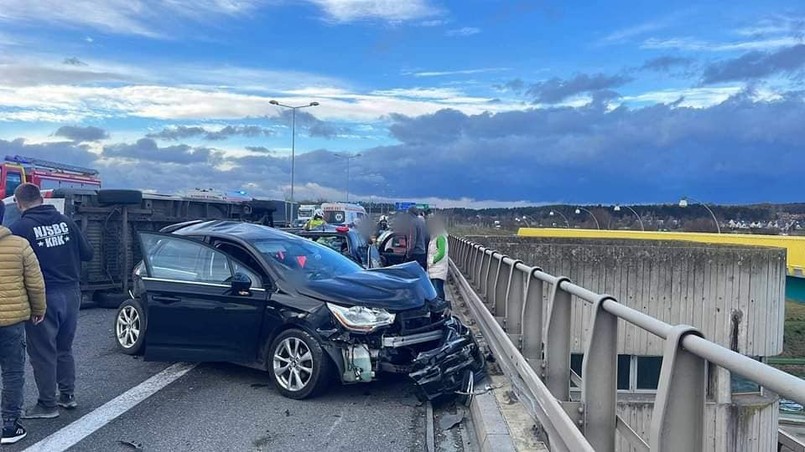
<point x="417" y="243"/>
<point x="60" y="247"/>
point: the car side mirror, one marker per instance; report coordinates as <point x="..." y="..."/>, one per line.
<point x="241" y="284"/>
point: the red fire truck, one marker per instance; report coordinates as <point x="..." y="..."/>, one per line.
<point x="47" y="175"/>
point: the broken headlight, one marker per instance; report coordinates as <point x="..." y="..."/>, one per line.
<point x="360" y="318"/>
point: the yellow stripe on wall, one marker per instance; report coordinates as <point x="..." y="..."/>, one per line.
<point x="795" y="246"/>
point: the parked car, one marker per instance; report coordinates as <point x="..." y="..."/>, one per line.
<point x="250" y="294"/>
<point x="347" y="241"/>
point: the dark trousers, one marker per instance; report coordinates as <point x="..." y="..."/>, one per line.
<point x="421" y="259"/>
<point x="50" y="344"/>
<point x="438" y="284"/>
<point x="12" y="365"/>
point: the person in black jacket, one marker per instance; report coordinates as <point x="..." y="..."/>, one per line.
<point x="60" y="247"/>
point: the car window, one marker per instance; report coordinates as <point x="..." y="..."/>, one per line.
<point x="185" y="260"/>
<point x="244" y="262"/>
<point x="302" y="259"/>
<point x="334" y="242"/>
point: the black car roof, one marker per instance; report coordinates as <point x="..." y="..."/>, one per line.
<point x="246" y="231"/>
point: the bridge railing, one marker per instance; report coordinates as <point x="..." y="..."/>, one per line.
<point x="508" y="304"/>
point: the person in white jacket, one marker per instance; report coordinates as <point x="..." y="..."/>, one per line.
<point x="437" y="255"/>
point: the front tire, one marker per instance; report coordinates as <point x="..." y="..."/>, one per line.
<point x="130" y="326"/>
<point x="297" y="365"/>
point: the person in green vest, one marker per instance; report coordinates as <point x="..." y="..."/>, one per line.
<point x="316" y="222"/>
<point x="437" y="255"/>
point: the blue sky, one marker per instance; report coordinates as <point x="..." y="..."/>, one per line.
<point x="455" y="102"/>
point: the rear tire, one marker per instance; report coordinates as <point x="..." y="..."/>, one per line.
<point x="298" y="365"/>
<point x="129" y="197"/>
<point x="129" y="327"/>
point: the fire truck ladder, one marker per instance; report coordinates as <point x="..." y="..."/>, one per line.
<point x="46" y="164"/>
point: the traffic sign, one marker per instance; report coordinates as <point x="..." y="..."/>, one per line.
<point x="403" y="206"/>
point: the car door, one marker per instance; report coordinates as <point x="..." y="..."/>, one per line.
<point x="193" y="314"/>
<point x="392" y="248"/>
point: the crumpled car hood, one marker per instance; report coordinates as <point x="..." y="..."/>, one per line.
<point x="397" y="288"/>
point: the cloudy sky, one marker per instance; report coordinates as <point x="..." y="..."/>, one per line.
<point x="472" y="102"/>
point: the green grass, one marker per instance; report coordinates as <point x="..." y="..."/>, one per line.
<point x="794" y="336"/>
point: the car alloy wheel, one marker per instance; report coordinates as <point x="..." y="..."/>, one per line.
<point x="128" y="326"/>
<point x="293" y="364"/>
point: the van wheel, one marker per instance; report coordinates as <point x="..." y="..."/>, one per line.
<point x="298" y="365"/>
<point x="120" y="197"/>
<point x="130" y="326"/>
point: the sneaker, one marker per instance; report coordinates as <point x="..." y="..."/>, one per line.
<point x="67" y="401"/>
<point x="12" y="432"/>
<point x="40" y="411"/>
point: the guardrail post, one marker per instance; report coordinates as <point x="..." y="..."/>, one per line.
<point x="513" y="301"/>
<point x="599" y="387"/>
<point x="486" y="262"/>
<point x="489" y="278"/>
<point x="531" y="321"/>
<point x="474" y="264"/>
<point x="498" y="293"/>
<point x="677" y="422"/>
<point x="462" y="249"/>
<point x="557" y="343"/>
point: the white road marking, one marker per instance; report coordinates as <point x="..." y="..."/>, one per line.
<point x="88" y="424"/>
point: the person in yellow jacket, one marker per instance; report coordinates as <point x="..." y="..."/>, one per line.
<point x="22" y="298"/>
<point x="315" y="222"/>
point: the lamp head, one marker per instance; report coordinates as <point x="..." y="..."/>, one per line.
<point x="550" y="214"/>
<point x="578" y="211"/>
<point x="273" y="102"/>
<point x="617" y="208"/>
<point x="683" y="202"/>
<point x="314" y="104"/>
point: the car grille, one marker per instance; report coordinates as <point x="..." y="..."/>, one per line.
<point x="427" y="318"/>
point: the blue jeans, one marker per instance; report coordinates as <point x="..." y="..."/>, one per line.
<point x="12" y="365"/>
<point x="50" y="344"/>
<point x="438" y="284"/>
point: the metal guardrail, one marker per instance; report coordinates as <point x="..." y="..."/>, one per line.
<point x="510" y="310"/>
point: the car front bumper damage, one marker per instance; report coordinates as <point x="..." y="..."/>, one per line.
<point x="451" y="367"/>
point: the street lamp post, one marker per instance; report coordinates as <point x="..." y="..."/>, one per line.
<point x="347" y="158"/>
<point x="618" y="209"/>
<point x="293" y="141"/>
<point x="580" y="209"/>
<point x="552" y="213"/>
<point x="684" y="203"/>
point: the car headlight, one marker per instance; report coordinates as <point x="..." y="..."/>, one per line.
<point x="360" y="318"/>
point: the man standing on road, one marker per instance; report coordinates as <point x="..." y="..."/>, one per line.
<point x="22" y="298"/>
<point x="60" y="247"/>
<point x="417" y="242"/>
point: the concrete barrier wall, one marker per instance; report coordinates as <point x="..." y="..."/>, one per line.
<point x="734" y="294"/>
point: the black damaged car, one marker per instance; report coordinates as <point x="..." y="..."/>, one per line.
<point x="250" y="294"/>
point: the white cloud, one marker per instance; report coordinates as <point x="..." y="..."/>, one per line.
<point x="692" y="97"/>
<point x="137" y="17"/>
<point x="630" y="32"/>
<point x="59" y="103"/>
<point x="457" y="72"/>
<point x="389" y="10"/>
<point x="464" y="31"/>
<point x="699" y="45"/>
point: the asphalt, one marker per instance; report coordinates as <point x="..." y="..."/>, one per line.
<point x="219" y="407"/>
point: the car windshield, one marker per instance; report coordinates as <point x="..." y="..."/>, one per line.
<point x="305" y="260"/>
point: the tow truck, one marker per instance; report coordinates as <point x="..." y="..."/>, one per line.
<point x="47" y="175"/>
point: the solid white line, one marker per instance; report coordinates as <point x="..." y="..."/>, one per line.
<point x="109" y="411"/>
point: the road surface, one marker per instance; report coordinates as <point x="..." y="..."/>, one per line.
<point x="126" y="404"/>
